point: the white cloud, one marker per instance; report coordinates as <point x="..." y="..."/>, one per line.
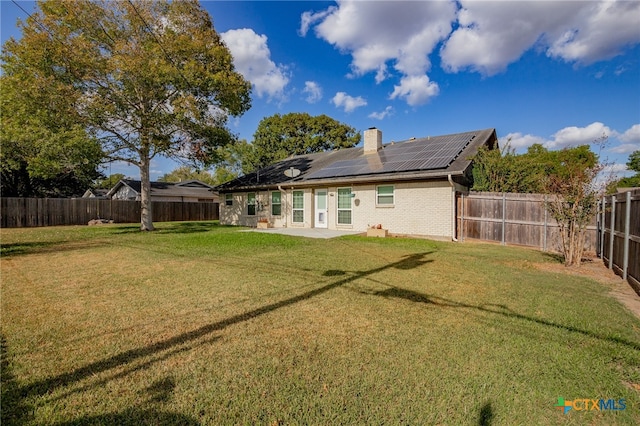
<point x="518" y="141"/>
<point x="252" y="58"/>
<point x="491" y="35"/>
<point x="574" y="136"/>
<point x="388" y="111"/>
<point x="387" y="38"/>
<point x="307" y="19"/>
<point x="415" y="90"/>
<point x="376" y="33"/>
<point x="564" y="138"/>
<point x="632" y="135"/>
<point x="625" y="148"/>
<point x="313" y="91"/>
<point x="349" y="103"/>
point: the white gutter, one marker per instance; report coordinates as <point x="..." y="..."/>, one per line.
<point x="453" y="208"/>
<point x="284" y="191"/>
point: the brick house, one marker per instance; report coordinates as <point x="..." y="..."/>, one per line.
<point x="408" y="187"/>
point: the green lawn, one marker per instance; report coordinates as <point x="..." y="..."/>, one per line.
<point x="203" y="324"/>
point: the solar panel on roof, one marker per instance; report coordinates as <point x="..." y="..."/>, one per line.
<point x="422" y="154"/>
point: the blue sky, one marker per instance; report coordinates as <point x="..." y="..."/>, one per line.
<point x="558" y="73"/>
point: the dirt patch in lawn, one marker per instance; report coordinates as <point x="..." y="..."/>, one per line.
<point x="596" y="270"/>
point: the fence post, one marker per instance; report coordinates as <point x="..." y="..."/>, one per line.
<point x="627" y="224"/>
<point x="603" y="227"/>
<point x="462" y="216"/>
<point x="613" y="230"/>
<point x="504" y="217"/>
<point x="544" y="237"/>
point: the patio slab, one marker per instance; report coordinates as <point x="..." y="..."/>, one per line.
<point x="306" y="232"/>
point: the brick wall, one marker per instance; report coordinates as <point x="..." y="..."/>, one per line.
<point x="419" y="208"/>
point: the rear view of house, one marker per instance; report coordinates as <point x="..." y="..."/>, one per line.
<point x="408" y="187"/>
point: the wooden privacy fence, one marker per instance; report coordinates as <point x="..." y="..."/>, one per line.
<point x="619" y="231"/>
<point x="516" y="219"/>
<point x="30" y="212"/>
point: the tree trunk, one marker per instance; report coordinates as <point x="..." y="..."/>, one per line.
<point x="146" y="222"/>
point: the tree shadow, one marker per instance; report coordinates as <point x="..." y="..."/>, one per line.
<point x="22" y="248"/>
<point x="486" y="415"/>
<point x="173" y="344"/>
<point x="14" y="409"/>
<point x="497" y="309"/>
<point x="555" y="257"/>
<point x="188" y="228"/>
<point x="161" y="390"/>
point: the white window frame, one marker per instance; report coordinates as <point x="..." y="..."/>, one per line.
<point x="228" y="199"/>
<point x="254" y="204"/>
<point x="392" y="195"/>
<point x="276" y="204"/>
<point x="339" y="209"/>
<point x="297" y="209"/>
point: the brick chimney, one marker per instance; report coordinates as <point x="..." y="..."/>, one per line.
<point x="372" y="140"/>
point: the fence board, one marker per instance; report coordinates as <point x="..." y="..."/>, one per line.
<point x="525" y="221"/>
<point x="33" y="212"/>
<point x="614" y="233"/>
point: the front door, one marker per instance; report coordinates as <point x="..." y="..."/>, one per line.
<point x="321" y="209"/>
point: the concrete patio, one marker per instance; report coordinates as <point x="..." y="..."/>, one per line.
<point x="306" y="232"/>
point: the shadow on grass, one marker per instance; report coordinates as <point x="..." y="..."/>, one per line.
<point x="22" y="248"/>
<point x="503" y="310"/>
<point x="134" y="417"/>
<point x="188" y="227"/>
<point x="486" y="415"/>
<point x="14" y="410"/>
<point x="48" y="385"/>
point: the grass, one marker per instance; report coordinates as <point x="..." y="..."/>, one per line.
<point x="202" y="324"/>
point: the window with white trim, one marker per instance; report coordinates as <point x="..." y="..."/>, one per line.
<point x="298" y="206"/>
<point x="228" y="199"/>
<point x="384" y="195"/>
<point x="251" y="203"/>
<point x="276" y="203"/>
<point x="344" y="206"/>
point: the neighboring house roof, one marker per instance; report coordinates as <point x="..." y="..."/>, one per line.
<point x="191" y="188"/>
<point x="95" y="193"/>
<point x="424" y="158"/>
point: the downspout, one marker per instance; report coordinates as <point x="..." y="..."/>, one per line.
<point x="453" y="208"/>
<point x="283" y="191"/>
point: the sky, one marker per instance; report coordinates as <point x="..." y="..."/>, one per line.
<point x="559" y="73"/>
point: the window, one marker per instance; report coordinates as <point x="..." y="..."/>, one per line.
<point x="251" y="203"/>
<point x="344" y="206"/>
<point x="228" y="199"/>
<point x="298" y="206"/>
<point x="384" y="195"/>
<point x="276" y="203"/>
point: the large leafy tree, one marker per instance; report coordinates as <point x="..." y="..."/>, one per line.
<point x="44" y="152"/>
<point x="280" y="136"/>
<point x="146" y="78"/>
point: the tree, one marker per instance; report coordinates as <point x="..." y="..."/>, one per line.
<point x="109" y="182"/>
<point x="630" y="181"/>
<point x="146" y="78"/>
<point x="279" y="137"/>
<point x="567" y="176"/>
<point x="184" y="173"/>
<point x="574" y="197"/>
<point x="43" y="154"/>
<point x="634" y="161"/>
